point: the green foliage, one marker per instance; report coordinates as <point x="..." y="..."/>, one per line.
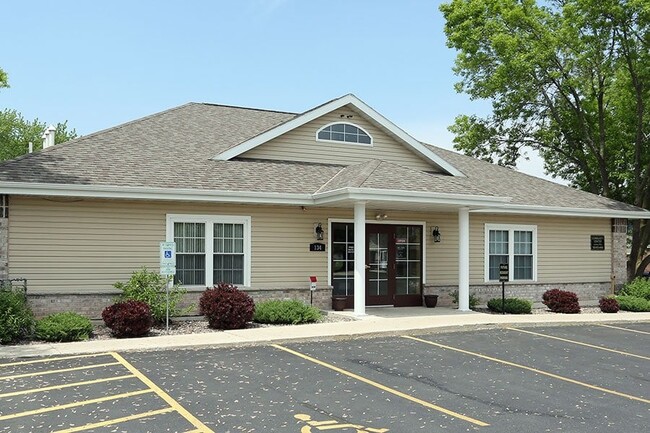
<point x="285" y="312"/>
<point x="633" y="303"/>
<point x="569" y="79"/>
<point x="16" y="133"/>
<point x="639" y="287"/>
<point x="4" y="80"/>
<point x="511" y="305"/>
<point x="473" y="300"/>
<point x="66" y="326"/>
<point x="16" y="318"/>
<point x="150" y="287"/>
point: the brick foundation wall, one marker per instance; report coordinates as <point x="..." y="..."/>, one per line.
<point x="532" y="292"/>
<point x="4" y="242"/>
<point x="91" y="305"/>
<point x="619" y="252"/>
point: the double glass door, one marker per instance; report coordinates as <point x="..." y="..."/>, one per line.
<point x="393" y="265"/>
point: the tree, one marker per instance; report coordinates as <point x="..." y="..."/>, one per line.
<point x="569" y="79"/>
<point x="3" y="79"/>
<point x="16" y="133"/>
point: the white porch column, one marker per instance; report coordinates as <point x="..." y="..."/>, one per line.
<point x="360" y="258"/>
<point x="463" y="259"/>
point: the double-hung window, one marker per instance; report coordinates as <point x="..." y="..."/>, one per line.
<point x="211" y="249"/>
<point x="512" y="244"/>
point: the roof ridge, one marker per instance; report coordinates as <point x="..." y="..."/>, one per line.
<point x="267" y="110"/>
<point x="377" y="163"/>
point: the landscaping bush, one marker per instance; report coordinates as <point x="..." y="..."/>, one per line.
<point x="608" y="305"/>
<point x="16" y="318"/>
<point x="150" y="287"/>
<point x="473" y="300"/>
<point x="285" y="312"/>
<point x="561" y="301"/>
<point x="66" y="326"/>
<point x="128" y="318"/>
<point x="511" y="306"/>
<point x="639" y="287"/>
<point x="633" y="303"/>
<point x="226" y="307"/>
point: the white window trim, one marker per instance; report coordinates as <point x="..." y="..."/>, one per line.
<point x="209" y="221"/>
<point x="510" y="228"/>
<point x="368" y="221"/>
<point x="346" y="142"/>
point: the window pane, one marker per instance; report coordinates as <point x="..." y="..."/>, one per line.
<point x="324" y="135"/>
<point x="364" y="139"/>
<point x="337" y="136"/>
<point x="339" y="127"/>
<point x="523" y="268"/>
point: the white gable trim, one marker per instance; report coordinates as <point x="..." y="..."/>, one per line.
<point x="327" y="108"/>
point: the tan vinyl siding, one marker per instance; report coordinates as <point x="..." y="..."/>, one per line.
<point x="85" y="246"/>
<point x="301" y="145"/>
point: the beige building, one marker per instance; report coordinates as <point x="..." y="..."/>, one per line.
<point x="265" y="200"/>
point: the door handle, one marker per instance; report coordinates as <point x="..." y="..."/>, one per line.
<point x="367" y="266"/>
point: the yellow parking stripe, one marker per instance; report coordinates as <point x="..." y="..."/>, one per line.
<point x="62" y="370"/>
<point x="383" y="387"/>
<point x="67" y="385"/>
<point x="162" y="394"/>
<point x="625" y="329"/>
<point x="580" y="343"/>
<point x="38" y="361"/>
<point x="534" y="370"/>
<point x="116" y="421"/>
<point x="75" y="404"/>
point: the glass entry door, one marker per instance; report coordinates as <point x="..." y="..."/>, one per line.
<point x="380" y="269"/>
<point x="394" y="265"/>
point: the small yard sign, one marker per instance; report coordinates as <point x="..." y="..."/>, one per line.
<point x="168" y="258"/>
<point x="504" y="273"/>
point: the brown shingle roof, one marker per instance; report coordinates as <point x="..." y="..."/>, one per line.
<point x="174" y="149"/>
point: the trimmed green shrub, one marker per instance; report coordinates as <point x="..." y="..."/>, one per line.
<point x="66" y="326"/>
<point x="511" y="306"/>
<point x="285" y="312"/>
<point x="633" y="303"/>
<point x="561" y="301"/>
<point x="16" y="318"/>
<point x="150" y="287"/>
<point x="128" y="318"/>
<point x="226" y="307"/>
<point x="608" y="305"/>
<point x="639" y="287"/>
<point x="473" y="300"/>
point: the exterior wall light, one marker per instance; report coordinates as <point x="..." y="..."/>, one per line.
<point x="381" y="216"/>
<point x="318" y="232"/>
<point x="436" y="234"/>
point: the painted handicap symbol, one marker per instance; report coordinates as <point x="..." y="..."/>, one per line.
<point x="333" y="425"/>
<point x="168" y="254"/>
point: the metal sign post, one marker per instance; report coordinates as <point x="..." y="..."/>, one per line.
<point x="168" y="268"/>
<point x="504" y="276"/>
<point x="312" y="287"/>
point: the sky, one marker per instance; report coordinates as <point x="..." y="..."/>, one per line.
<point x="99" y="63"/>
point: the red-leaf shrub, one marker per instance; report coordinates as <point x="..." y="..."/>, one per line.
<point x="128" y="318"/>
<point x="608" y="305"/>
<point x="226" y="307"/>
<point x="561" y="301"/>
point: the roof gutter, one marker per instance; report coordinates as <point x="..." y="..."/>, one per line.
<point x="571" y="212"/>
<point x="135" y="193"/>
<point x="361" y="194"/>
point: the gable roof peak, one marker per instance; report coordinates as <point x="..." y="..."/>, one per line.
<point x="327" y="107"/>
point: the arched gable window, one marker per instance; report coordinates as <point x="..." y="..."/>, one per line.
<point x="345" y="132"/>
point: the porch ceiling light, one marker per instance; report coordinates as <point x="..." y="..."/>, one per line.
<point x="436" y="234"/>
<point x="381" y="216"/>
<point x="318" y="232"/>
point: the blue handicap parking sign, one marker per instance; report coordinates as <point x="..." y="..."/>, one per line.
<point x="168" y="254"/>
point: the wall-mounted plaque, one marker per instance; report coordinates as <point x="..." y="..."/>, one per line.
<point x="597" y="242"/>
<point x="317" y="246"/>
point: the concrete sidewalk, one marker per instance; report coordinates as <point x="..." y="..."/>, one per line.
<point x="378" y="322"/>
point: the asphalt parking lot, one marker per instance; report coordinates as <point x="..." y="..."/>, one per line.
<point x="586" y="378"/>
